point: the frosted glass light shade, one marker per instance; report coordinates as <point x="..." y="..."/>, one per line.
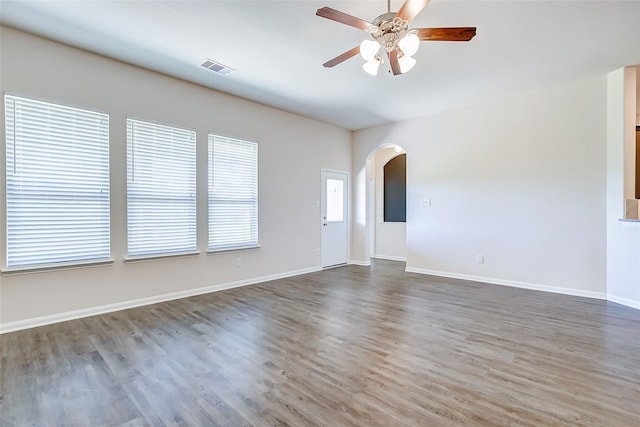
<point x="371" y="67"/>
<point x="406" y="63"/>
<point x="409" y="44"/>
<point x="368" y="49"/>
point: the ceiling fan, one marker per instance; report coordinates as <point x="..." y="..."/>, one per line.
<point x="390" y="32"/>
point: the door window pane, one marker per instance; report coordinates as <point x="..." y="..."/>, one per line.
<point x="335" y="200"/>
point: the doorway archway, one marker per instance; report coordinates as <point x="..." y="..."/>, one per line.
<point x="386" y="233"/>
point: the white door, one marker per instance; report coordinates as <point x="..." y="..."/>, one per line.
<point x="334" y="218"/>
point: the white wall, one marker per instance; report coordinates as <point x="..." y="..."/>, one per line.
<point x="292" y="151"/>
<point x="637" y="96"/>
<point x="623" y="238"/>
<point x="520" y="181"/>
<point x="628" y="99"/>
<point x="390" y="237"/>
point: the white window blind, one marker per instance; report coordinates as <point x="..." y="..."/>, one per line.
<point x="233" y="193"/>
<point x="161" y="189"/>
<point x="57" y="183"/>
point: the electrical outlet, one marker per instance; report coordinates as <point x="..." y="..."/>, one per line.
<point x="318" y="252"/>
<point x="480" y="259"/>
<point x="425" y="202"/>
<point x="238" y="262"/>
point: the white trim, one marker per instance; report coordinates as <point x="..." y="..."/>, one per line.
<point x="109" y="308"/>
<point x="331" y="267"/>
<point x="55" y="101"/>
<point x="233" y="249"/>
<point x="160" y="123"/>
<point x="43" y="268"/>
<point x="624" y="301"/>
<point x="512" y="283"/>
<point x="334" y="171"/>
<point x="159" y="257"/>
<point x="358" y="262"/>
<point x="390" y="257"/>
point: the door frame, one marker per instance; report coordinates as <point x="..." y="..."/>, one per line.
<point x="347" y="213"/>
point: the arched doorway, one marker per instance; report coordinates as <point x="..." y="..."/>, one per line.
<point x="386" y="218"/>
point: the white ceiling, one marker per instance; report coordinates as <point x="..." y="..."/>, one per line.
<point x="277" y="48"/>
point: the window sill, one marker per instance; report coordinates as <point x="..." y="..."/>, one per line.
<point x="629" y="222"/>
<point x="54" y="267"/>
<point x="233" y="249"/>
<point x="158" y="257"/>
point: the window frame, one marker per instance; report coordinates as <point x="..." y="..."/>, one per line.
<point x="254" y="226"/>
<point x="190" y="199"/>
<point x="59" y="192"/>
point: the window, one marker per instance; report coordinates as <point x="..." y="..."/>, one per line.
<point x="335" y="200"/>
<point x="395" y="189"/>
<point x="57" y="177"/>
<point x="233" y="193"/>
<point x="161" y="189"/>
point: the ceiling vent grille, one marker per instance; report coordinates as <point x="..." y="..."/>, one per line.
<point x="217" y="67"/>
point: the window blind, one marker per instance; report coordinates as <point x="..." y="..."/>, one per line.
<point x="57" y="183"/>
<point x="161" y="189"/>
<point x="233" y="193"/>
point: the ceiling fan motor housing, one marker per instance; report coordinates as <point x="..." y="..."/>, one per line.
<point x="387" y="29"/>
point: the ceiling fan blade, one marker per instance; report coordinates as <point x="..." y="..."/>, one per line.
<point x="411" y="8"/>
<point x="453" y="34"/>
<point x="340" y="58"/>
<point x="343" y="18"/>
<point x="393" y="61"/>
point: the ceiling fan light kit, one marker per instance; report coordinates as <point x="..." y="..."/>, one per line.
<point x="369" y="49"/>
<point x="392" y="36"/>
<point x="409" y="43"/>
<point x="392" y="33"/>
<point x="406" y="63"/>
<point x="371" y="67"/>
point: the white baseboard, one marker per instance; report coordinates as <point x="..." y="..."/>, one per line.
<point x="390" y="257"/>
<point x="512" y="283"/>
<point x="109" y="308"/>
<point x="624" y="301"/>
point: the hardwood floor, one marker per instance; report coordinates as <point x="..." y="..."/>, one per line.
<point x="352" y="346"/>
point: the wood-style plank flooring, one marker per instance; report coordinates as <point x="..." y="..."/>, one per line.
<point x="352" y="346"/>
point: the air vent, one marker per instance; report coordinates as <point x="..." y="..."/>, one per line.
<point x="217" y="67"/>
